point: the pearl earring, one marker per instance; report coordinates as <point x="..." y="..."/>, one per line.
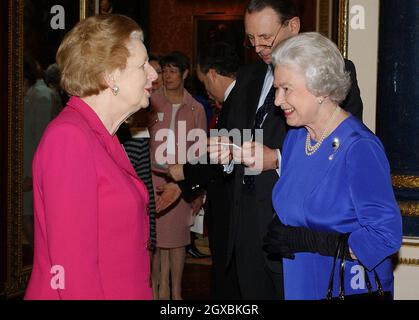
<point x="320" y="101"/>
<point x="115" y="90"/>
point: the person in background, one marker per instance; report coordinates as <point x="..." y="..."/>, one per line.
<point x="155" y="63"/>
<point x="52" y="80"/>
<point x="91" y="226"/>
<point x="335" y="180"/>
<point x="137" y="148"/>
<point x="217" y="68"/>
<point x="173" y="106"/>
<point x="197" y="90"/>
<point x="38" y="111"/>
<point x="105" y="6"/>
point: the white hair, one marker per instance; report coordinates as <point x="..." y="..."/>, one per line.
<point x="319" y="60"/>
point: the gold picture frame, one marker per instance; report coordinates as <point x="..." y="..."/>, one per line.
<point x="16" y="274"/>
<point x="332" y="21"/>
<point x="218" y="27"/>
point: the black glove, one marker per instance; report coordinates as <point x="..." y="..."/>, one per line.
<point x="283" y="241"/>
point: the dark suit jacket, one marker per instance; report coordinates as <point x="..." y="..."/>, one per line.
<point x="201" y="175"/>
<point x="217" y="210"/>
<point x="242" y="113"/>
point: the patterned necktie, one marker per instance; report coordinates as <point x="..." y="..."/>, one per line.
<point x="266" y="107"/>
<point x="262" y="112"/>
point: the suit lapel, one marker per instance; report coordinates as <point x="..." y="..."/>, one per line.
<point x="253" y="95"/>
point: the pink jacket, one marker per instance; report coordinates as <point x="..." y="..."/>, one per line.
<point x="91" y="214"/>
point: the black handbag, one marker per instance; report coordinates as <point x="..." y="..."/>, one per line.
<point x="380" y="294"/>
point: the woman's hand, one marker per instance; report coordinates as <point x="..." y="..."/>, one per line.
<point x="175" y="172"/>
<point x="168" y="194"/>
<point x="284" y="241"/>
<point x="276" y="241"/>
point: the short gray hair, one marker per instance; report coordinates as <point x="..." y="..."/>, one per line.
<point x="319" y="60"/>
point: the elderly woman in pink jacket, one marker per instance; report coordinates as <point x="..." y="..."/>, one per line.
<point x="91" y="223"/>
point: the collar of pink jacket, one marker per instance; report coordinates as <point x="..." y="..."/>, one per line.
<point x="109" y="142"/>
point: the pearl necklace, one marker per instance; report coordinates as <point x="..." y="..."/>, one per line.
<point x="310" y="150"/>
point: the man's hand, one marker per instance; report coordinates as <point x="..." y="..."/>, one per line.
<point x="256" y="156"/>
<point x="176" y="172"/>
<point x="168" y="194"/>
<point x="218" y="153"/>
<point x="196" y="205"/>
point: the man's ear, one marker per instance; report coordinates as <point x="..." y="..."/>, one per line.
<point x="185" y="74"/>
<point x="212" y="74"/>
<point x="294" y="25"/>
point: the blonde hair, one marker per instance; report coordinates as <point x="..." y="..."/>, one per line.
<point x="96" y="45"/>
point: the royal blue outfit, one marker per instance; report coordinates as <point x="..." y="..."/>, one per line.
<point x="350" y="192"/>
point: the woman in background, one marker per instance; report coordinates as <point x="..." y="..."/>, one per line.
<point x="174" y="107"/>
<point x="155" y="63"/>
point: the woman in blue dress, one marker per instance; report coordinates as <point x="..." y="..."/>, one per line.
<point x="335" y="179"/>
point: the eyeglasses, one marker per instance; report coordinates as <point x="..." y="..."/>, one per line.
<point x="249" y="45"/>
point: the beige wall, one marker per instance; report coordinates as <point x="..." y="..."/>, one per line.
<point x="406" y="274"/>
<point x="363" y="51"/>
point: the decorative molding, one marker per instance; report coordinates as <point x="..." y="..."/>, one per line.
<point x="15" y="275"/>
<point x="324" y="17"/>
<point x="343" y="27"/>
<point x="406" y="182"/>
<point x="410" y="245"/>
<point x="409" y="262"/>
<point x="88" y="8"/>
<point x="409" y="208"/>
<point x="83" y="9"/>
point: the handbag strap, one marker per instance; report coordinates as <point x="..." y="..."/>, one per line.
<point x="329" y="295"/>
<point x="367" y="280"/>
<point x="378" y="283"/>
<point x="343" y="245"/>
<point x="340" y="254"/>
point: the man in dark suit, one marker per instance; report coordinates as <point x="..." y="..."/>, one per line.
<point x="267" y="23"/>
<point x="217" y="67"/>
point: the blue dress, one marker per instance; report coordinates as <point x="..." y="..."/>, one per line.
<point x="351" y="193"/>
